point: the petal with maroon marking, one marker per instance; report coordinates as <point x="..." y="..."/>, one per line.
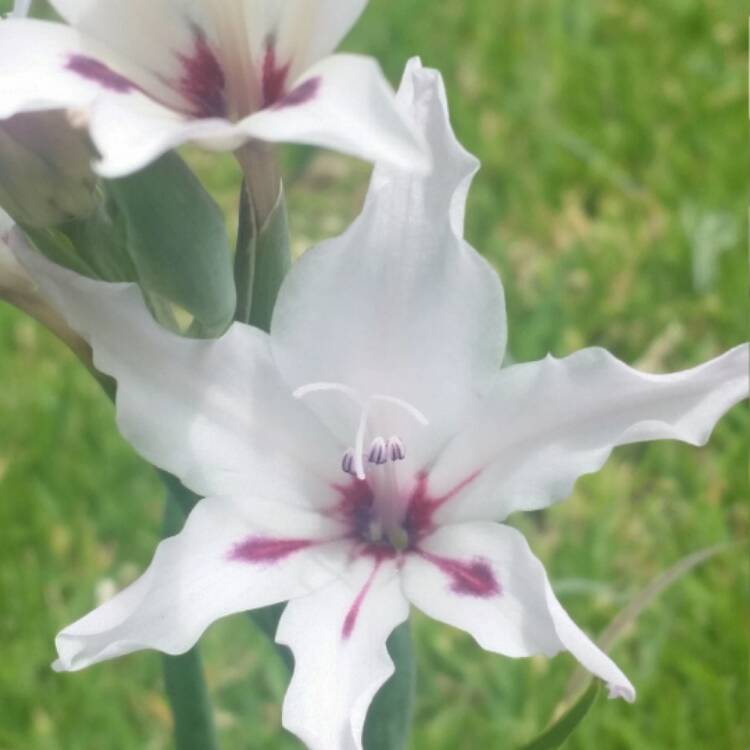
<point x="547" y="423"/>
<point x="302" y="32"/>
<point x="338" y="636"/>
<point x="154" y="34"/>
<point x="213" y="412"/>
<point x="197" y="577"/>
<point x="130" y="135"/>
<point x="343" y="102"/>
<point x="484" y="579"/>
<point x="50" y="66"/>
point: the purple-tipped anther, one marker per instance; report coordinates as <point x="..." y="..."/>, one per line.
<point x="347" y="463"/>
<point x="378" y="452"/>
<point x="396" y="450"/>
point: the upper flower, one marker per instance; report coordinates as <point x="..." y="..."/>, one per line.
<point x="150" y="75"/>
<point x="362" y="457"/>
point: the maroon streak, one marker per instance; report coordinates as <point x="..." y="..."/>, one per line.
<point x="302" y="94"/>
<point x="262" y="550"/>
<point x="202" y="83"/>
<point x="351" y="616"/>
<point x="95" y="70"/>
<point x="273" y="76"/>
<point x="474" y="578"/>
<point x="422" y="507"/>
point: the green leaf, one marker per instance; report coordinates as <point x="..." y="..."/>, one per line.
<point x="177" y="241"/>
<point x="390" y="715"/>
<point x="556" y="735"/>
<point x="183" y="675"/>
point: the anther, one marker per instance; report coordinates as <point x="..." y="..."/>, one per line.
<point x="347" y="463"/>
<point x="378" y="452"/>
<point x="396" y="450"/>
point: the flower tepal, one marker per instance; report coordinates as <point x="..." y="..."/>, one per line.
<point x="385" y="482"/>
<point x="149" y="75"/>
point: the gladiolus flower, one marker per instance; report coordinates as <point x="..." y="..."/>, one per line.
<point x="149" y="75"/>
<point x="364" y="456"/>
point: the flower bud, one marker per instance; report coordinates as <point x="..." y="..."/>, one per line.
<point x="18" y="288"/>
<point x="13" y="278"/>
<point x="45" y="170"/>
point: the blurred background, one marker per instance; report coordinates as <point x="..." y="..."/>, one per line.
<point x="612" y="201"/>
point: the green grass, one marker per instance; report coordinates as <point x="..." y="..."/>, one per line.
<point x="611" y="200"/>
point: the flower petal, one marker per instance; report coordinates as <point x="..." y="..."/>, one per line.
<point x="130" y="134"/>
<point x="232" y="555"/>
<point x="399" y="304"/>
<point x="547" y="423"/>
<point x="50" y="66"/>
<point x="213" y="412"/>
<point x="303" y="31"/>
<point x="157" y="35"/>
<point x="343" y="102"/>
<point x="338" y="636"/>
<point x="484" y="579"/>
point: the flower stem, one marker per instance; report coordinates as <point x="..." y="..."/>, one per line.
<point x="390" y="715"/>
<point x="263" y="254"/>
<point x="183" y="675"/>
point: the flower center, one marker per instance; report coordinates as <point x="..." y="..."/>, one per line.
<point x="374" y="464"/>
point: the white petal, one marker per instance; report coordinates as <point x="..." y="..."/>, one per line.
<point x="343" y="102"/>
<point x="212" y="412"/>
<point x="303" y="31"/>
<point x="484" y="579"/>
<point x="399" y="304"/>
<point x="131" y="134"/>
<point x="232" y="555"/>
<point x="338" y="636"/>
<point x="21" y="8"/>
<point x="50" y="66"/>
<point x="546" y="423"/>
<point x="152" y="33"/>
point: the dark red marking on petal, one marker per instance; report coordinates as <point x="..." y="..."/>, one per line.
<point x="273" y="76"/>
<point x="355" y="506"/>
<point x="202" y="83"/>
<point x="351" y="616"/>
<point x="260" y="550"/>
<point x="94" y="70"/>
<point x="422" y="507"/>
<point x="474" y="578"/>
<point x="302" y="94"/>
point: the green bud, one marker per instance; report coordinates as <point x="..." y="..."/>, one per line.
<point x="13" y="278"/>
<point x="45" y="170"/>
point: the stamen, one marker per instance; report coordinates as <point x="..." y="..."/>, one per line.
<point x="347" y="462"/>
<point x="405" y="405"/>
<point x="304" y="390"/>
<point x="378" y="452"/>
<point x="396" y="449"/>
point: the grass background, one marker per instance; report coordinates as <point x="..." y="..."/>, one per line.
<point x="612" y="201"/>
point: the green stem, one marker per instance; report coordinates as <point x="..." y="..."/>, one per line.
<point x="183" y="675"/>
<point x="244" y="257"/>
<point x="390" y="715"/>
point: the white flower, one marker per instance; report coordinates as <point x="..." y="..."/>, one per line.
<point x="150" y="75"/>
<point x="362" y="457"/>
